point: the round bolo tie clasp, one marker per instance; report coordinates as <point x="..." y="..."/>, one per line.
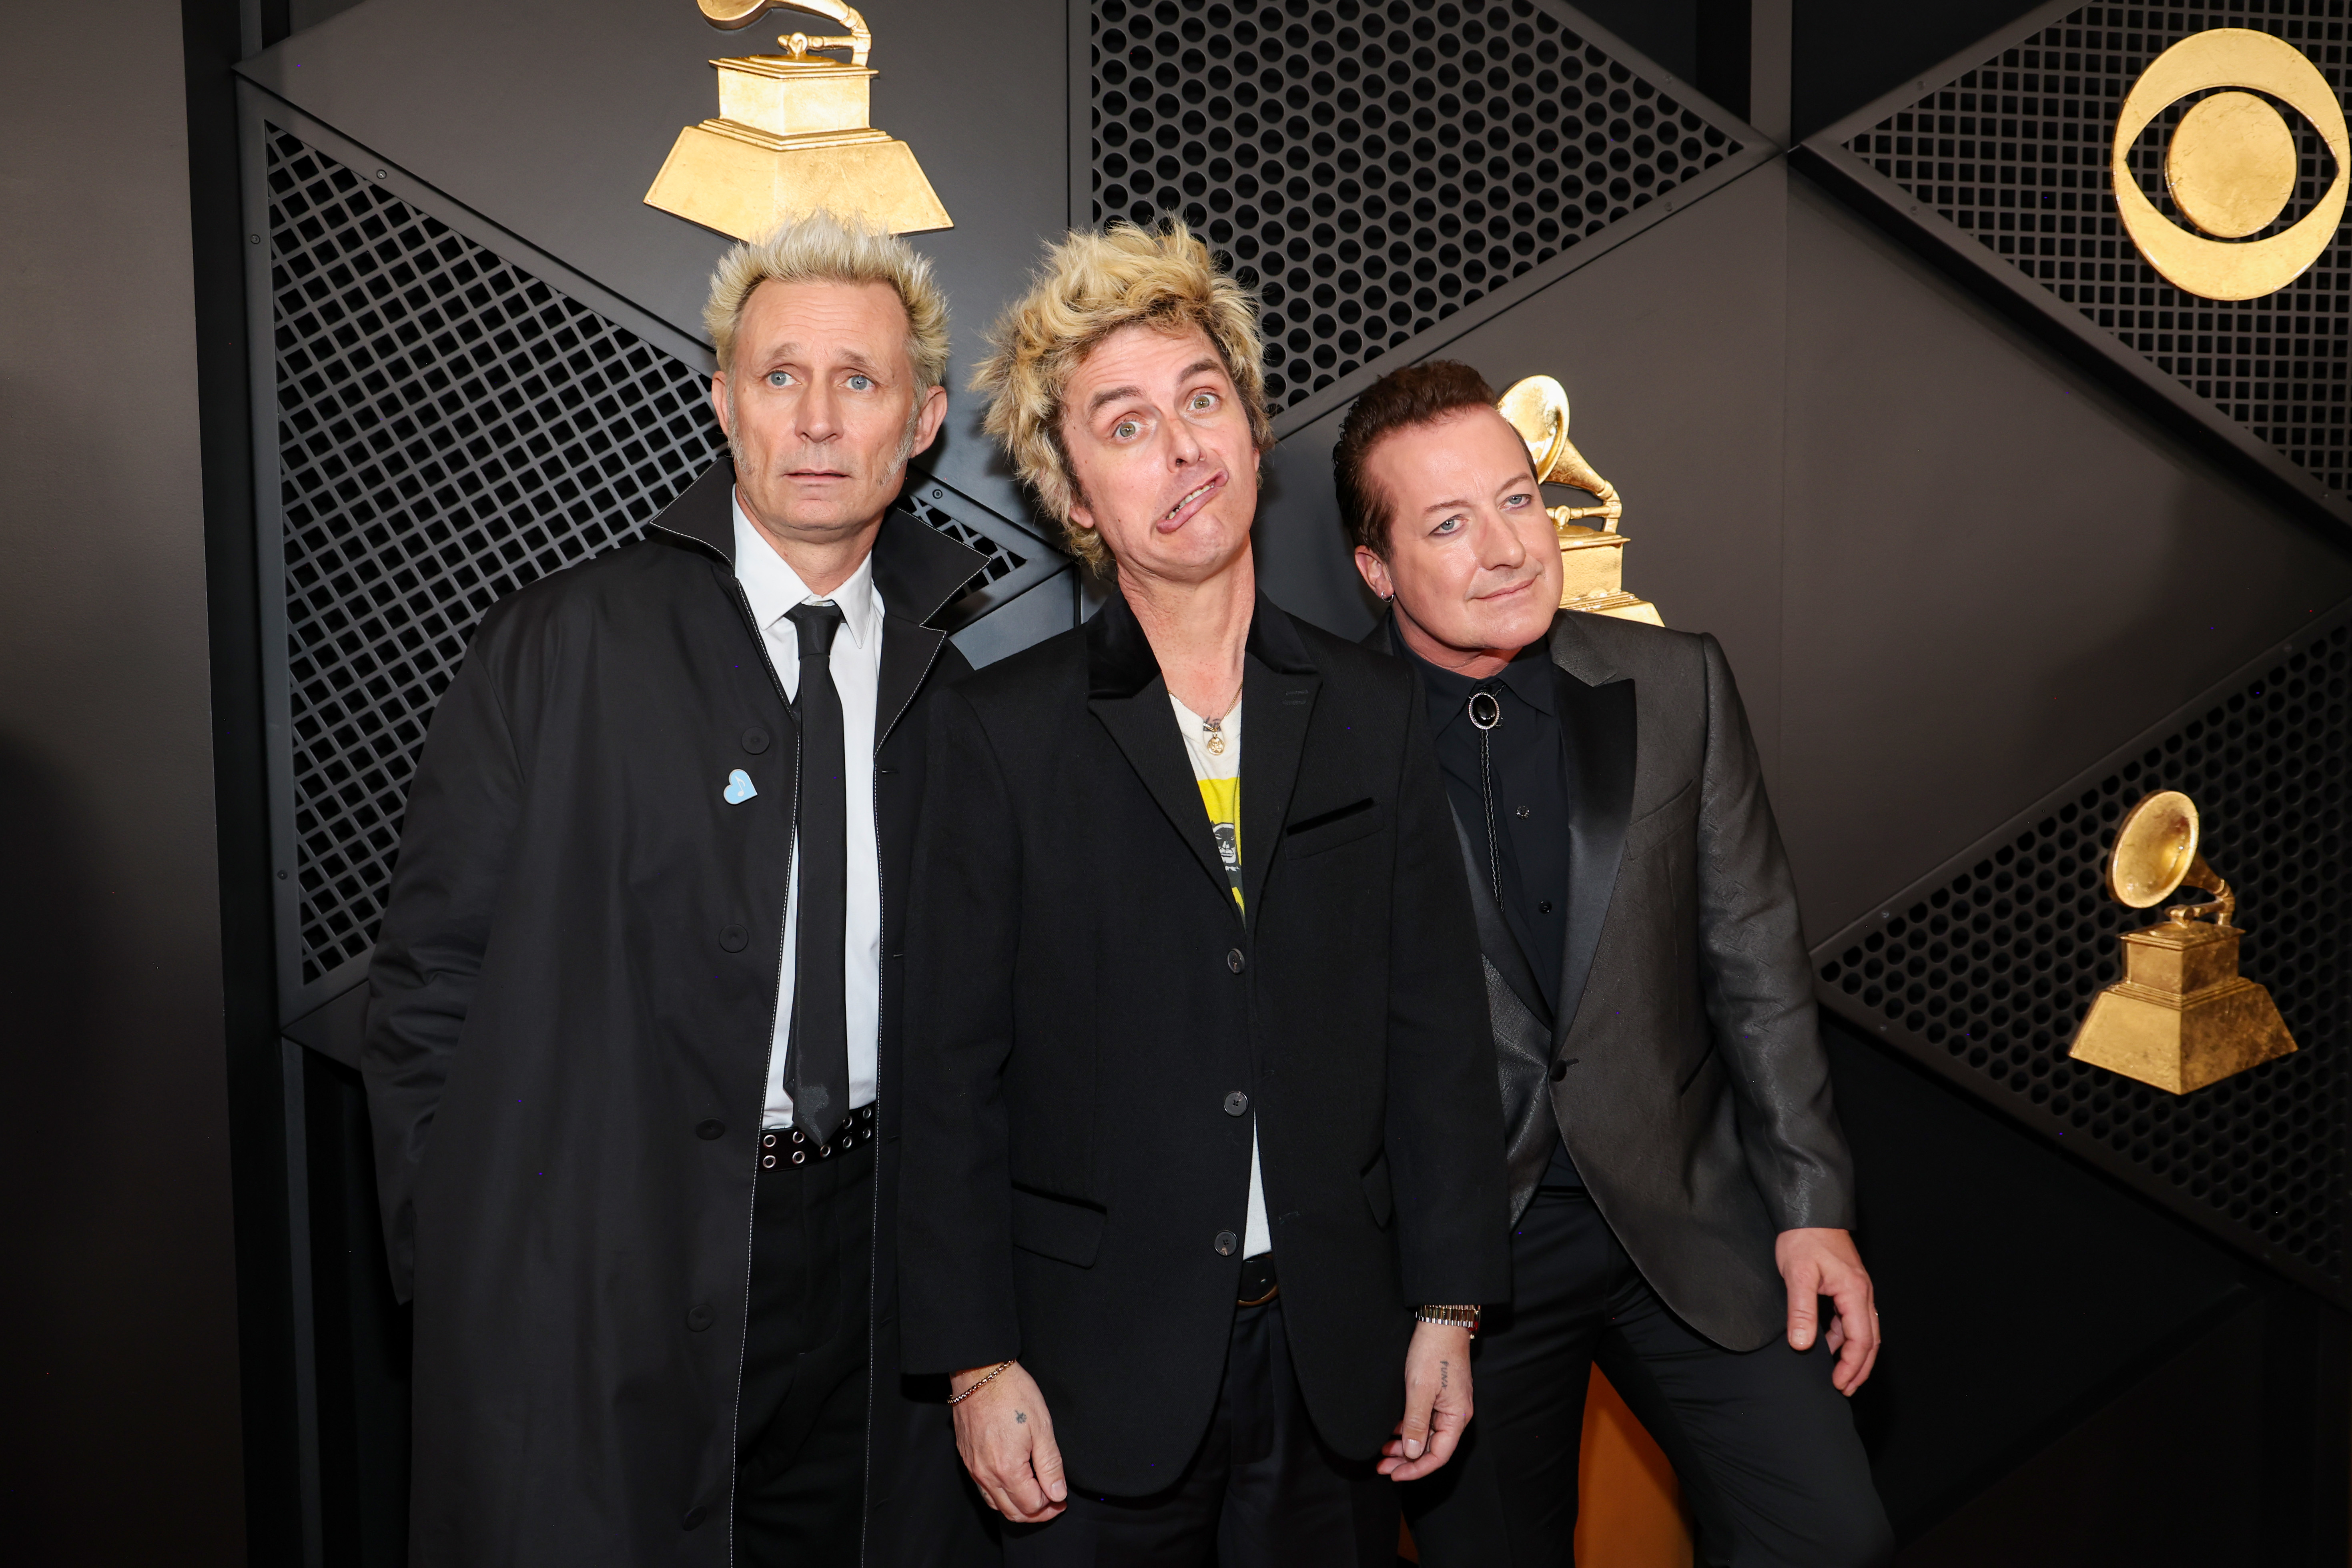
<point x="1485" y="710"/>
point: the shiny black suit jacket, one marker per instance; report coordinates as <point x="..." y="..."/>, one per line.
<point x="1685" y="1066"/>
<point x="1087" y="1011"/>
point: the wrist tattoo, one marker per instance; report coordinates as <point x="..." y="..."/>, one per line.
<point x="1021" y="1417"/>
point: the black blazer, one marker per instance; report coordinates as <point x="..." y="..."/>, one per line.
<point x="1684" y="1068"/>
<point x="1085" y="1002"/>
<point x="568" y="1030"/>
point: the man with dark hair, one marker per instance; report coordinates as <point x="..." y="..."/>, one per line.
<point x="1680" y="1187"/>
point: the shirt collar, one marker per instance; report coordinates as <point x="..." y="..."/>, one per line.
<point x="775" y="589"/>
<point x="1528" y="676"/>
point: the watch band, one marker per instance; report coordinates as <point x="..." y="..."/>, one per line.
<point x="1453" y="1316"/>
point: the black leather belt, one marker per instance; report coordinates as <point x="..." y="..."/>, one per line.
<point x="782" y="1146"/>
<point x="1258" y="1285"/>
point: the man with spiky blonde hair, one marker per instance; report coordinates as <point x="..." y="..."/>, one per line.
<point x="632" y="1050"/>
<point x="1182" y="1009"/>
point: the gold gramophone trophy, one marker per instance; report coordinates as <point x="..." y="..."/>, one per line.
<point x="1592" y="560"/>
<point x="792" y="137"/>
<point x="2181" y="1018"/>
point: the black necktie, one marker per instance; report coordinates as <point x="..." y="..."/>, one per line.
<point x="816" y="1057"/>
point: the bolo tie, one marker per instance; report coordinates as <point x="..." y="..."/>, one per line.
<point x="1485" y="712"/>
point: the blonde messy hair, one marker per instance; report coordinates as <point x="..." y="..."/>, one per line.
<point x="1093" y="285"/>
<point x="823" y="248"/>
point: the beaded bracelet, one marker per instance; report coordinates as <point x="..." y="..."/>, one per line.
<point x="975" y="1388"/>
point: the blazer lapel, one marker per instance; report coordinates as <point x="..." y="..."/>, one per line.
<point x="1597" y="722"/>
<point x="1127" y="693"/>
<point x="920" y="571"/>
<point x="1500" y="948"/>
<point x="1279" y="682"/>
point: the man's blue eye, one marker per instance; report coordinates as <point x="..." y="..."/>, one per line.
<point x="860" y="383"/>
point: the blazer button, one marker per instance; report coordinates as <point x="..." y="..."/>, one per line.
<point x="1233" y="961"/>
<point x="1559" y="1072"/>
<point x="1226" y="1242"/>
<point x="734" y="939"/>
<point x="1236" y="1102"/>
<point x="698" y="1317"/>
<point x="755" y="740"/>
<point x="708" y="1130"/>
<point x="692" y="1517"/>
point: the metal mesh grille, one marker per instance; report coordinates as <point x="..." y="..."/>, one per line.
<point x="1370" y="168"/>
<point x="1996" y="968"/>
<point x="449" y="428"/>
<point x="2015" y="155"/>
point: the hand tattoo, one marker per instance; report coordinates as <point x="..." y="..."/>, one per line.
<point x="1021" y="1417"/>
<point x="1444" y="1374"/>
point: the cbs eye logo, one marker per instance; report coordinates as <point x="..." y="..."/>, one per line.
<point x="2231" y="164"/>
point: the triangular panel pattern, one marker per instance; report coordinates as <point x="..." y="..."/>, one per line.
<point x="2014" y="154"/>
<point x="450" y="428"/>
<point x="1372" y="168"/>
<point x="1993" y="970"/>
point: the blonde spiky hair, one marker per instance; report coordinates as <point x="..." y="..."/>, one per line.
<point x="1091" y="286"/>
<point x="823" y="248"/>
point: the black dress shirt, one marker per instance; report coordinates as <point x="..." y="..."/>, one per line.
<point x="1526" y="764"/>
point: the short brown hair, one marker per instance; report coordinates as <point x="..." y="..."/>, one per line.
<point x="1417" y="394"/>
<point x="1092" y="286"/>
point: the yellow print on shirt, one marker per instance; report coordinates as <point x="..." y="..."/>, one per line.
<point x="1222" y="798"/>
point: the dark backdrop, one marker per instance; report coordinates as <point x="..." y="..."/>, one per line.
<point x="1955" y="564"/>
<point x="119" y="1355"/>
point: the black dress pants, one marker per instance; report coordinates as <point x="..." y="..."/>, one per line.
<point x="800" y="1471"/>
<point x="1763" y="1444"/>
<point x="1261" y="1492"/>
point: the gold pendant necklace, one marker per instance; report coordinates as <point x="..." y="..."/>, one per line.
<point x="1214" y="730"/>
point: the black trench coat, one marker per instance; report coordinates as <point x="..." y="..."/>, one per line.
<point x="568" y="1026"/>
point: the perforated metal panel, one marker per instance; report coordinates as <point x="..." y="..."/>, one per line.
<point x="1373" y="169"/>
<point x="2014" y="155"/>
<point x="451" y="426"/>
<point x="1989" y="972"/>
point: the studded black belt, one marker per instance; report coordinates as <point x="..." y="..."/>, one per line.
<point x="782" y="1146"/>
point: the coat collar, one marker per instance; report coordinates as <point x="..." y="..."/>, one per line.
<point x="1128" y="694"/>
<point x="1597" y="722"/>
<point x="919" y="569"/>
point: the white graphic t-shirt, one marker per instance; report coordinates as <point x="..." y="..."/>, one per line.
<point x="1215" y="750"/>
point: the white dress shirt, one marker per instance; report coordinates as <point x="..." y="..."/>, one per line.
<point x="774" y="590"/>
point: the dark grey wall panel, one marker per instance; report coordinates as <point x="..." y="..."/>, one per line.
<point x="551" y="120"/>
<point x="1995" y="573"/>
<point x="1670" y="347"/>
<point x="119" y="1439"/>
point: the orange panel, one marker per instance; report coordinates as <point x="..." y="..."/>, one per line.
<point x="1629" y="1505"/>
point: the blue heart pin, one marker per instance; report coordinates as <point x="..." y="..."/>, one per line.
<point x="739" y="787"/>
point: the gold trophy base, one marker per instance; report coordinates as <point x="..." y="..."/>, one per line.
<point x="2182" y="1042"/>
<point x="744" y="182"/>
<point x="1592" y="575"/>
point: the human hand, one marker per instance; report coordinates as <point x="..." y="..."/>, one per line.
<point x="1817" y="1262"/>
<point x="1006" y="1439"/>
<point x="1436" y="1402"/>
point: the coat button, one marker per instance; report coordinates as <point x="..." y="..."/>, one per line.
<point x="734" y="939"/>
<point x="1233" y="961"/>
<point x="700" y="1317"/>
<point x="1236" y="1102"/>
<point x="708" y="1130"/>
<point x="755" y="740"/>
<point x="693" y="1517"/>
<point x="1559" y="1072"/>
<point x="1226" y="1242"/>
